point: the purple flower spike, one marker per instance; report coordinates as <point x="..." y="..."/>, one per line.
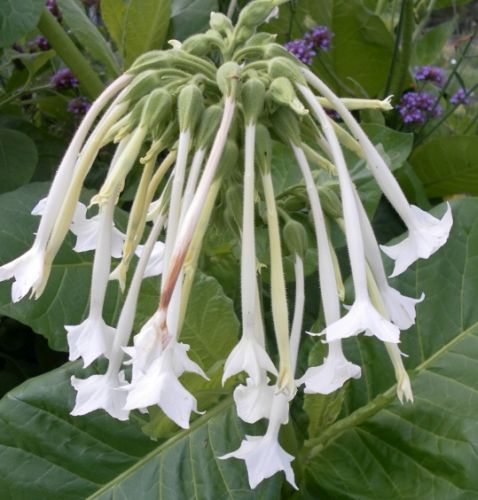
<point x="302" y="49"/>
<point x="418" y="107"/>
<point x="64" y="79"/>
<point x="42" y="43"/>
<point x="320" y="37"/>
<point x="79" y="106"/>
<point x="461" y="96"/>
<point x="432" y="74"/>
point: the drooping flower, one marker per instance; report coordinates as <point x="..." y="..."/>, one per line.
<point x="331" y="374"/>
<point x="263" y="455"/>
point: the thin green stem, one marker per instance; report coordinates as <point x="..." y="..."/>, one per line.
<point x="423" y="21"/>
<point x="395" y="54"/>
<point x="408" y="24"/>
<point x="90" y="83"/>
<point x="470" y="125"/>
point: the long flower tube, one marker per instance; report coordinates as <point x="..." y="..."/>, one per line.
<point x="186" y="230"/>
<point x="362" y="316"/>
<point x="335" y="370"/>
<point x="426" y="234"/>
<point x="401" y="309"/>
<point x="101" y="391"/>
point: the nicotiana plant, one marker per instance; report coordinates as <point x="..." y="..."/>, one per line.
<point x="192" y="114"/>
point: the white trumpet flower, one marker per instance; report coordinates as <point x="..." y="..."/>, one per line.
<point x="263" y="455"/>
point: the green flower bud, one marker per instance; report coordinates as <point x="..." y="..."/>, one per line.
<point x="295" y="238"/>
<point x="151" y="60"/>
<point x="208" y="127"/>
<point x="286" y="126"/>
<point x="233" y="206"/>
<point x="281" y="66"/>
<point x="275" y="50"/>
<point x="157" y="109"/>
<point x="229" y="157"/>
<point x="257" y="12"/>
<point x="261" y="39"/>
<point x="220" y="23"/>
<point x="263" y="150"/>
<point x="201" y="44"/>
<point x="142" y="84"/>
<point x="252" y="94"/>
<point x="190" y="107"/>
<point x="228" y="78"/>
<point x="282" y="92"/>
<point x="330" y="201"/>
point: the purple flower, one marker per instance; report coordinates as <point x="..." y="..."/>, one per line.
<point x="461" y="96"/>
<point x="320" y="37"/>
<point x="64" y="79"/>
<point x="332" y="114"/>
<point x="52" y="6"/>
<point x="432" y="74"/>
<point x="40" y="43"/>
<point x="79" y="106"/>
<point x="418" y="107"/>
<point x="302" y="49"/>
<point x="306" y="48"/>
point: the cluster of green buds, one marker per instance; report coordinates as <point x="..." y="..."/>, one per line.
<point x="192" y="114"/>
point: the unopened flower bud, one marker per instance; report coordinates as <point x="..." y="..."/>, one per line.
<point x="157" y="109"/>
<point x="229" y="157"/>
<point x="233" y="208"/>
<point x="150" y="60"/>
<point x="257" y="12"/>
<point x="228" y="78"/>
<point x="261" y="39"/>
<point x="208" y="126"/>
<point x="295" y="238"/>
<point x="263" y="149"/>
<point x="141" y="85"/>
<point x="286" y="126"/>
<point x="330" y="201"/>
<point x="190" y="107"/>
<point x="281" y="66"/>
<point x="253" y="92"/>
<point x="201" y="44"/>
<point x="220" y="23"/>
<point x="282" y="92"/>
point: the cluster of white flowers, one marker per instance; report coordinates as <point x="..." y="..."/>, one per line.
<point x="194" y="114"/>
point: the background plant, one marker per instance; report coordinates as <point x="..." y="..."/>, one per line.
<point x="375" y="50"/>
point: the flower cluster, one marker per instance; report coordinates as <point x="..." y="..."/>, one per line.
<point x="418" y="107"/>
<point x="64" y="79"/>
<point x="461" y="96"/>
<point x="79" y="105"/>
<point x="305" y="49"/>
<point x="433" y="74"/>
<point x="192" y="117"/>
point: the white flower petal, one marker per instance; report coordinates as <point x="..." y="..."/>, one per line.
<point x="87" y="230"/>
<point x="28" y="271"/>
<point x="160" y="386"/>
<point x="181" y="361"/>
<point x="100" y="392"/>
<point x="426" y="236"/>
<point x="401" y="308"/>
<point x="264" y="457"/>
<point x="156" y="260"/>
<point x="253" y="401"/>
<point x="329" y="376"/>
<point x="249" y="356"/>
<point x="363" y="317"/>
<point x="90" y="339"/>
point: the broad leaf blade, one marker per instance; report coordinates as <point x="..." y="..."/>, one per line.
<point x="17" y="18"/>
<point x="190" y="16"/>
<point x="425" y="450"/>
<point x="145" y="26"/>
<point x="88" y="35"/>
<point x="448" y="165"/>
<point x="113" y="14"/>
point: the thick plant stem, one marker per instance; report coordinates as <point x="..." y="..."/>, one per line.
<point x="90" y="83"/>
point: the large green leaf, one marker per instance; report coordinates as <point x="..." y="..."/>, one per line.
<point x="426" y="450"/>
<point x="361" y="50"/>
<point x="145" y="26"/>
<point x="17" y="18"/>
<point x="448" y="165"/>
<point x="190" y="16"/>
<point x="429" y="47"/>
<point x="113" y="12"/>
<point x="18" y="159"/>
<point x="88" y="35"/>
<point x="49" y="455"/>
